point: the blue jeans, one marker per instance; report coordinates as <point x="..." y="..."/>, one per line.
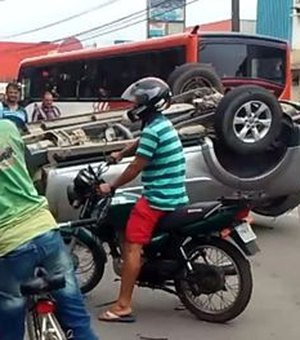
<point x="17" y="267"/>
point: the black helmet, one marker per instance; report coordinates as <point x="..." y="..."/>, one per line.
<point x="149" y="95"/>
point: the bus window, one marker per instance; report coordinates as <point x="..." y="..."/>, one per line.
<point x="61" y="80"/>
<point x="67" y="79"/>
<point x="114" y="74"/>
<point x="88" y="80"/>
<point x="245" y="60"/>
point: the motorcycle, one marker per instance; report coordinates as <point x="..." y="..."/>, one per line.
<point x="198" y="252"/>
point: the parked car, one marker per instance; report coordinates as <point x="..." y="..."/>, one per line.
<point x="253" y="149"/>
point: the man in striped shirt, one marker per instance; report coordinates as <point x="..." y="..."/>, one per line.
<point x="47" y="110"/>
<point x="160" y="159"/>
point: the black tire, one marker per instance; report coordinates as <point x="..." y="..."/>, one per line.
<point x="182" y="79"/>
<point x="98" y="259"/>
<point x="272" y="208"/>
<point x="277" y="206"/>
<point x="182" y="68"/>
<point x="246" y="285"/>
<point x="233" y="103"/>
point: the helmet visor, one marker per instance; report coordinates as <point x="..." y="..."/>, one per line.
<point x="130" y="94"/>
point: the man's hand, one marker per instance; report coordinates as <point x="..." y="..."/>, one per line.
<point x="105" y="188"/>
<point x="116" y="156"/>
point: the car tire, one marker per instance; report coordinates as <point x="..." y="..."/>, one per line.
<point x="277" y="206"/>
<point x="248" y="119"/>
<point x="190" y="76"/>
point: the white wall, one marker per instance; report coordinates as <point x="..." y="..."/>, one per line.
<point x="295" y="26"/>
<point x="2" y="87"/>
<point x="248" y="26"/>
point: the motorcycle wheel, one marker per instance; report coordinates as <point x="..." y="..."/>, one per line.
<point x="214" y="252"/>
<point x="88" y="261"/>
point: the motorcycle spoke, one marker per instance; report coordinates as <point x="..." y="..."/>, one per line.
<point x="232" y="289"/>
<point x="203" y="254"/>
<point x="230" y="292"/>
<point x="86" y="265"/>
<point x="220" y="259"/>
<point x="222" y="298"/>
<point x="206" y="301"/>
<point x="211" y="302"/>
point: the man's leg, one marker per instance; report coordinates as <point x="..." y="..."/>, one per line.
<point x="130" y="272"/>
<point x="139" y="230"/>
<point x="71" y="310"/>
<point x="15" y="268"/>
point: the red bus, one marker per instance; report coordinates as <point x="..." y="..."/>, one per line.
<point x="93" y="79"/>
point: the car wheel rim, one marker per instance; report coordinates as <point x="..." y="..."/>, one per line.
<point x="252" y="122"/>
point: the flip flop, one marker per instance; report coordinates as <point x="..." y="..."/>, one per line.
<point x="109" y="316"/>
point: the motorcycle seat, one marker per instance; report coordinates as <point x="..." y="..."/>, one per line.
<point x="186" y="215"/>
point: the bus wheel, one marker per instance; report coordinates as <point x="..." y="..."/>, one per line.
<point x="194" y="75"/>
<point x="248" y="119"/>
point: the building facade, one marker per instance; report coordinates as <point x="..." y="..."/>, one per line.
<point x="281" y="19"/>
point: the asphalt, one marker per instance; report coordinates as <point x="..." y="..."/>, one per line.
<point x="273" y="313"/>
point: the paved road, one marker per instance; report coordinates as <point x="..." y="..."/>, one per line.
<point x="273" y="314"/>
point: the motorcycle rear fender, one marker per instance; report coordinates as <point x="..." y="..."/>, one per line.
<point x="85" y="235"/>
<point x="250" y="249"/>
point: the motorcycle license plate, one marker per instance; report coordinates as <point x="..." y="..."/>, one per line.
<point x="245" y="232"/>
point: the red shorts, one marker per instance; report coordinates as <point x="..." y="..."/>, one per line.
<point x="142" y="221"/>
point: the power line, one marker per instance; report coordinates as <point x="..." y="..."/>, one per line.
<point x="112" y="23"/>
<point x="113" y="26"/>
<point x="58" y="22"/>
<point x="133" y="23"/>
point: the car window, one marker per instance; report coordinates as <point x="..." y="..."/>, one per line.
<point x="244" y="60"/>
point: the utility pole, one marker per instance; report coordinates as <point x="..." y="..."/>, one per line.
<point x="235" y="15"/>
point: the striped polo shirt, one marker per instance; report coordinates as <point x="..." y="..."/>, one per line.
<point x="164" y="176"/>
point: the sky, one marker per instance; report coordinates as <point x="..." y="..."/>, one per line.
<point x="22" y="15"/>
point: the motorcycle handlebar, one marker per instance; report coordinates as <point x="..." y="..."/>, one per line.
<point x="78" y="223"/>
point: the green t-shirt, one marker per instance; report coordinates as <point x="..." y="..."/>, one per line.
<point x="23" y="213"/>
<point x="164" y="176"/>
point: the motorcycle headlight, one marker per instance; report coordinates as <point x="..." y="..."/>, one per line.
<point x="74" y="199"/>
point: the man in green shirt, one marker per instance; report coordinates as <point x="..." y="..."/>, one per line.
<point x="160" y="159"/>
<point x="29" y="238"/>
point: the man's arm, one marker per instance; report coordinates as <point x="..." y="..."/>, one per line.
<point x="57" y="111"/>
<point x="130" y="149"/>
<point x="35" y="114"/>
<point x="144" y="149"/>
<point x="131" y="172"/>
